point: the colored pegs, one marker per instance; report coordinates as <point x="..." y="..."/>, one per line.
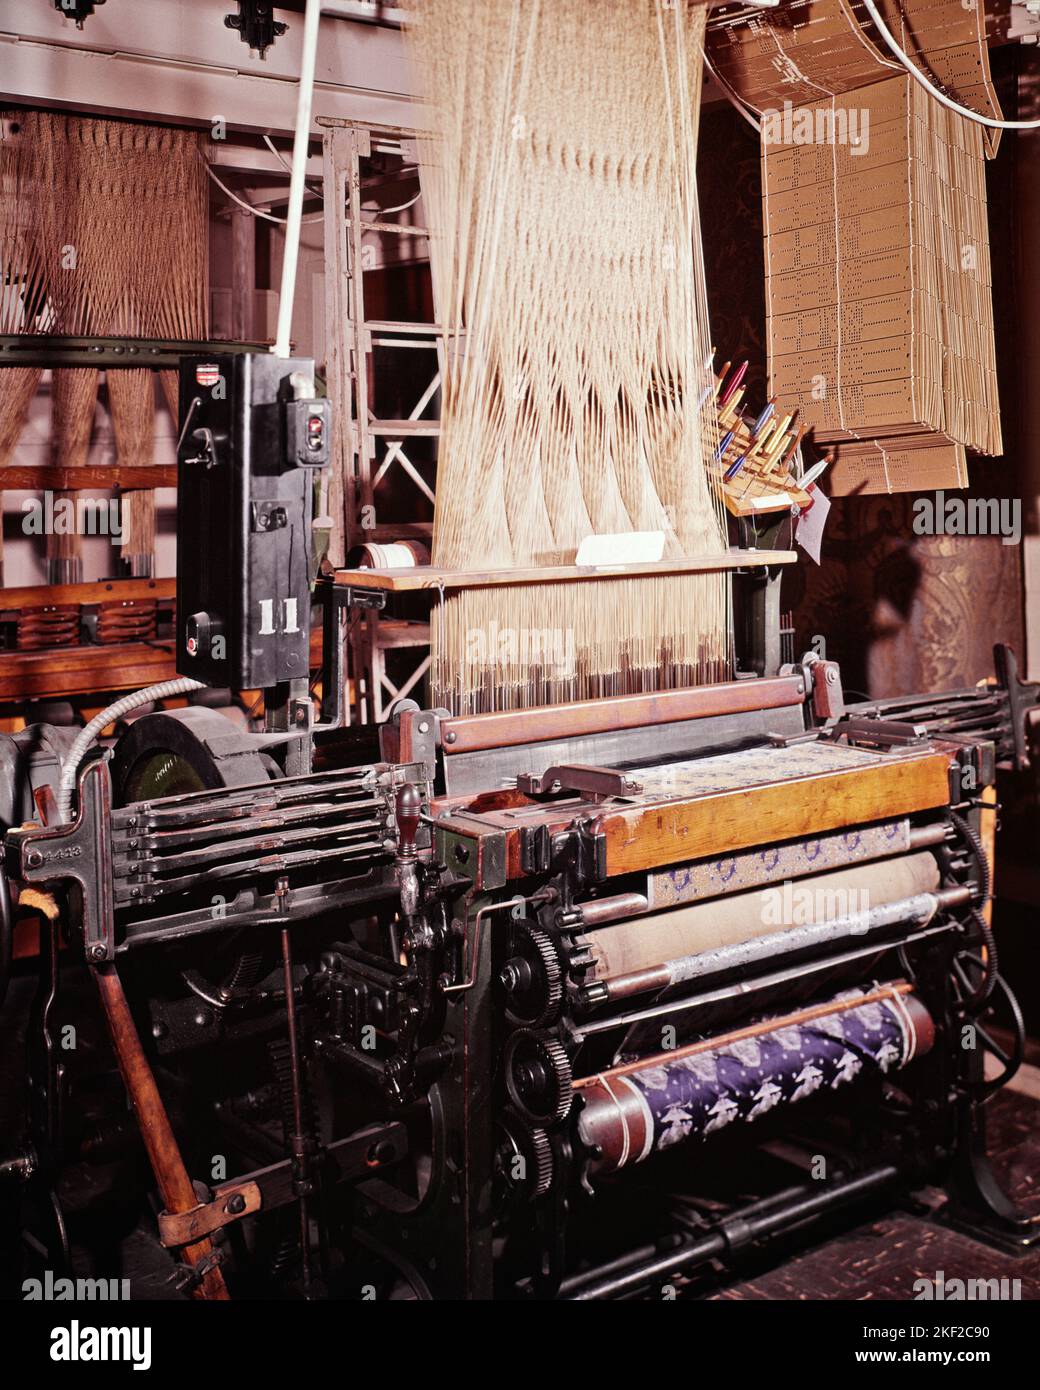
<point x="737" y="377"/>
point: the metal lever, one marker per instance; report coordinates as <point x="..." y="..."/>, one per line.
<point x="578" y="777"/>
<point x="882" y="734"/>
<point x="408" y="810"/>
<point x="207" y="455"/>
<point x="1021" y="697"/>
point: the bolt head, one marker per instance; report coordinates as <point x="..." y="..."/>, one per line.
<point x="235" y="1204"/>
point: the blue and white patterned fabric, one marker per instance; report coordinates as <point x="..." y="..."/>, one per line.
<point x="699" y="1095"/>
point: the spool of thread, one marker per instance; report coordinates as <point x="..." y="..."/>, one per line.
<point x="388" y="555"/>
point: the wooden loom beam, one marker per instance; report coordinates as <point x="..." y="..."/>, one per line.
<point x="434" y="577"/>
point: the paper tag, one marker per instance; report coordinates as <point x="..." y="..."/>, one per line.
<point x="811" y="523"/>
<point x="627" y="548"/>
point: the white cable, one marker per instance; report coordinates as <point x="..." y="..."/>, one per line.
<point x="180" y="685"/>
<point x="916" y="73"/>
<point x="401" y="207"/>
<point x="301" y="145"/>
<point x="257" y="212"/>
<point x="287" y="166"/>
<point x="730" y="94"/>
<point x="380" y="212"/>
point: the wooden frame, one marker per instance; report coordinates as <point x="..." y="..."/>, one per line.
<point x="354" y="475"/>
<point x="432" y="577"/>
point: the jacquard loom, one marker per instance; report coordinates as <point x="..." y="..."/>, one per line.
<point x="547" y="992"/>
<point x="585" y="976"/>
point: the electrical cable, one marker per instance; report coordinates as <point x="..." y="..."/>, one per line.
<point x="180" y="685"/>
<point x="994" y="123"/>
<point x="257" y="212"/>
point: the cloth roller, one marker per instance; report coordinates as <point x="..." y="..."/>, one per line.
<point x="634" y="1111"/>
<point x="668" y="948"/>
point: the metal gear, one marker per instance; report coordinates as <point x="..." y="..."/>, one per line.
<point x="520" y="1141"/>
<point x="532" y="977"/>
<point x="538" y="1076"/>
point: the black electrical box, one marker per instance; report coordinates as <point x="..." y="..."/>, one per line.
<point x="251" y="436"/>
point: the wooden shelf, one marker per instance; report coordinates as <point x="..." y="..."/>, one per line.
<point x="405" y="428"/>
<point x="101" y="591"/>
<point x="84" y="670"/>
<point x="433" y="577"/>
<point x="86" y="478"/>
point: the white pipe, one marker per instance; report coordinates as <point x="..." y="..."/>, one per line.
<point x="918" y="76"/>
<point x="301" y="142"/>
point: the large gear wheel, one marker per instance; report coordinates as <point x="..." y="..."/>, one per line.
<point x="538" y="1077"/>
<point x="532" y="977"/>
<point x="524" y="1158"/>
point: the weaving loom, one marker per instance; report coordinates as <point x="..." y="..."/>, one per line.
<point x="568" y="277"/>
<point x="104" y="233"/>
<point x="563" y="982"/>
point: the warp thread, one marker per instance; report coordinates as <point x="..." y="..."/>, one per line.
<point x="560" y="190"/>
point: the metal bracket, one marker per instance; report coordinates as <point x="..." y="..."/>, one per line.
<point x="412" y="735"/>
<point x="1022" y="696"/>
<point x="882" y="734"/>
<point x="374" y="599"/>
<point x="598" y="782"/>
<point x="333" y="600"/>
<point x="80" y="853"/>
<point x="232" y="1202"/>
<point x="256" y="25"/>
<point x="828" y="698"/>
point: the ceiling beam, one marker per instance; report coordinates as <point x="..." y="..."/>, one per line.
<point x="176" y="62"/>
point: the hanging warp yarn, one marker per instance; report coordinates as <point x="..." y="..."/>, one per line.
<point x="103" y="231"/>
<point x="559" y="180"/>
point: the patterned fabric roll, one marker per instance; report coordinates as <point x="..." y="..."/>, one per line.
<point x="631" y="1114"/>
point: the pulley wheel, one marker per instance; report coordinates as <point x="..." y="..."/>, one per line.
<point x="181" y="751"/>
